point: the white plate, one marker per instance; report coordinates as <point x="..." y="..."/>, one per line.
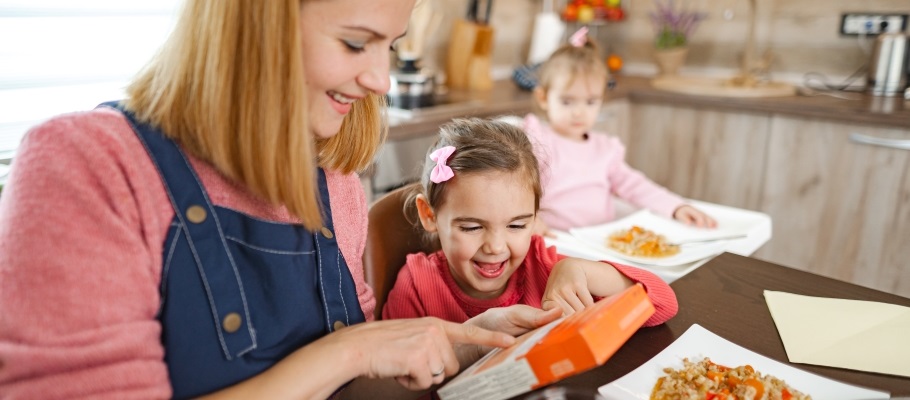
<point x="596" y="236"/>
<point x="698" y="342"/>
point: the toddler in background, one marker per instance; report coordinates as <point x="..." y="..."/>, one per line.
<point x="478" y="196"/>
<point x="582" y="169"/>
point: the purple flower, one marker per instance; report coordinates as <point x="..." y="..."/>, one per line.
<point x="672" y="24"/>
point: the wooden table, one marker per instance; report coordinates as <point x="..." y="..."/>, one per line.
<point x="725" y="296"/>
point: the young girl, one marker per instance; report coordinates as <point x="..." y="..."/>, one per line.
<point x="479" y="195"/>
<point x="583" y="170"/>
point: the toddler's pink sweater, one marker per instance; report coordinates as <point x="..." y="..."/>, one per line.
<point x="83" y="220"/>
<point x="580" y="177"/>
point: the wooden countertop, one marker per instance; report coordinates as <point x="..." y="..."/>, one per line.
<point x="504" y="99"/>
<point x="507" y="99"/>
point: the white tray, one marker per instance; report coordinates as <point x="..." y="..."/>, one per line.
<point x="756" y="226"/>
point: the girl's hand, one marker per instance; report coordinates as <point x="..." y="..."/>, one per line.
<point x="567" y="288"/>
<point x="691" y="216"/>
<point x="418" y="353"/>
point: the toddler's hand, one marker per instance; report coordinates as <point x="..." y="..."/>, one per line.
<point x="691" y="216"/>
<point x="567" y="288"/>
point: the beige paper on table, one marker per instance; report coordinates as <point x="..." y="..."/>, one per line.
<point x="853" y="334"/>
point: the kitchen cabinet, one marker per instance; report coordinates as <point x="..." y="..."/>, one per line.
<point x="840" y="208"/>
<point x="614" y="119"/>
<point x="703" y="154"/>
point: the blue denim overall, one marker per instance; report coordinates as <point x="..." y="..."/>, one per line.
<point x="238" y="294"/>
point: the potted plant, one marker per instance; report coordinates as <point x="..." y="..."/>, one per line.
<point x="673" y="25"/>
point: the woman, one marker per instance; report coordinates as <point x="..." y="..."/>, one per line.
<point x="204" y="236"/>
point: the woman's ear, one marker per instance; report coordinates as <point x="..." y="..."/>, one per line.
<point x="425" y="212"/>
<point x="540" y="96"/>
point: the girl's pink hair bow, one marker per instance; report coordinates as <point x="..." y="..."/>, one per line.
<point x="580" y="37"/>
<point x="442" y="172"/>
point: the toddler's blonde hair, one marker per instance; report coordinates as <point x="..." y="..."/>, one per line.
<point x="570" y="61"/>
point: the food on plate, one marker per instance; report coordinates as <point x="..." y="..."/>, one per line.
<point x="706" y="380"/>
<point x="637" y="241"/>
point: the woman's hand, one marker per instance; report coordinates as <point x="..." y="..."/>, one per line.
<point x="692" y="216"/>
<point x="418" y="353"/>
<point x="513" y="320"/>
<point x="567" y="288"/>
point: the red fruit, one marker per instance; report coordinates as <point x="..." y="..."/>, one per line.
<point x="570" y="13"/>
<point x="615" y="14"/>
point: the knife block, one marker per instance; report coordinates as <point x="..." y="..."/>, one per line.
<point x="461" y="49"/>
<point x="479" y="66"/>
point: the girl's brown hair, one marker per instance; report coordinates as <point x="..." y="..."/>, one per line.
<point x="480" y="146"/>
<point x="228" y="85"/>
<point x="570" y="61"/>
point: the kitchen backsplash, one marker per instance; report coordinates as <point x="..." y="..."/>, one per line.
<point x="802" y="34"/>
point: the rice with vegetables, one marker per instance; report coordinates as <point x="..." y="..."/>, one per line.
<point x="706" y="380"/>
<point x="637" y="241"/>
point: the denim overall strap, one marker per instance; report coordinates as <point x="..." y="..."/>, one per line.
<point x="335" y="282"/>
<point x="201" y="226"/>
<point x="225" y="272"/>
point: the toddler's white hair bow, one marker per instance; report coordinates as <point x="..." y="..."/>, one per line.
<point x="580" y="37"/>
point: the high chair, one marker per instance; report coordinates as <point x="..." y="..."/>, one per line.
<point x="390" y="238"/>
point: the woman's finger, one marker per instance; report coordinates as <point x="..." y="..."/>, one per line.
<point x="443" y="362"/>
<point x="472" y="334"/>
<point x="548" y="305"/>
<point x="564" y="306"/>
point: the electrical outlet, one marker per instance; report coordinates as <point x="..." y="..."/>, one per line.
<point x="858" y="23"/>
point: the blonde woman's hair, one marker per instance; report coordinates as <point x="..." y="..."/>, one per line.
<point x="573" y="62"/>
<point x="228" y="85"/>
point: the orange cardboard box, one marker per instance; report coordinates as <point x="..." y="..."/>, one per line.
<point x="560" y="349"/>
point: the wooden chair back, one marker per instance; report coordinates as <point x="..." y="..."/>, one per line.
<point x="390" y="238"/>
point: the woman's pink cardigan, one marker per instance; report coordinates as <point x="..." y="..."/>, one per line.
<point x="83" y="220"/>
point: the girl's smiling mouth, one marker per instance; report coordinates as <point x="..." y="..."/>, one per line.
<point x="490" y="270"/>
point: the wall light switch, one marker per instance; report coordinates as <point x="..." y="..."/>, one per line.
<point x="859" y="23"/>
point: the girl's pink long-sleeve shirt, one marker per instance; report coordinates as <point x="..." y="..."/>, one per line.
<point x="579" y="179"/>
<point x="426" y="288"/>
<point x="83" y="220"/>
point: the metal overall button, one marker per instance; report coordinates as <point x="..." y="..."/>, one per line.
<point x="326" y="232"/>
<point x="196" y="214"/>
<point x="231" y="322"/>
